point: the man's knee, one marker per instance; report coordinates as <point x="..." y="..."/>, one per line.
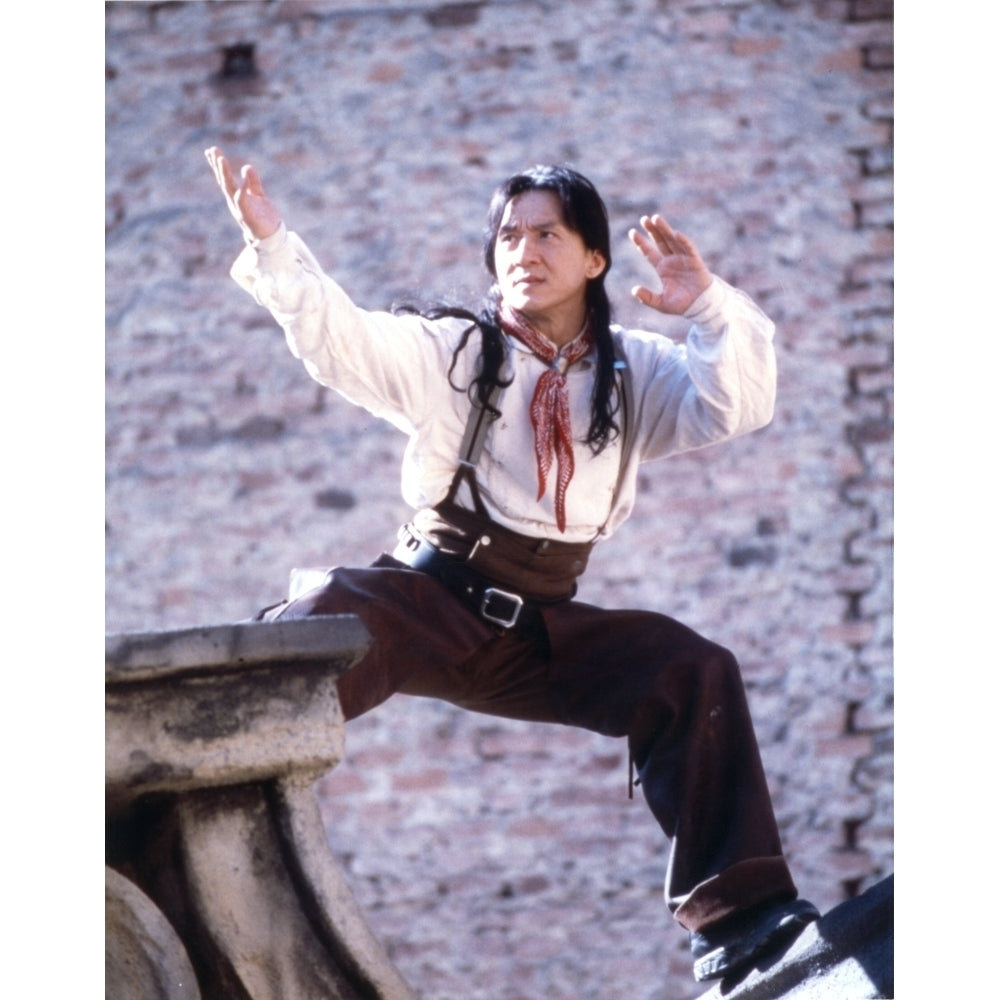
<point x="679" y="651"/>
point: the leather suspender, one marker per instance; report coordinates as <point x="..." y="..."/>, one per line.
<point x="476" y="428"/>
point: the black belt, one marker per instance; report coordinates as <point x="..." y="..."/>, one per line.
<point x="503" y="608"/>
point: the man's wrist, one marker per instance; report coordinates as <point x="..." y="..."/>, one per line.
<point x="707" y="302"/>
<point x="270" y="243"/>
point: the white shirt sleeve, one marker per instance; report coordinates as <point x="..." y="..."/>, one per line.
<point x="377" y="360"/>
<point x="718" y="384"/>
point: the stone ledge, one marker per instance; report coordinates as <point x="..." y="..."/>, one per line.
<point x="224" y="705"/>
<point x="328" y="639"/>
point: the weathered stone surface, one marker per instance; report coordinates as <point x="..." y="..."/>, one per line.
<point x="270" y="912"/>
<point x="221" y="867"/>
<point x="332" y="640"/>
<point x="144" y="959"/>
<point x="222" y="705"/>
<point x="846" y="955"/>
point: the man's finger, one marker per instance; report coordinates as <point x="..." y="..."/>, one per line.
<point x="644" y="246"/>
<point x="664" y="236"/>
<point x="227" y="180"/>
<point x="253" y="181"/>
<point x="643" y="294"/>
<point x="214" y="157"/>
<point x="653" y="226"/>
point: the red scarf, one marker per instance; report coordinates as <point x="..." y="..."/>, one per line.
<point x="550" y="404"/>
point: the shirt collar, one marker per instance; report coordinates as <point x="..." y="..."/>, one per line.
<point x="584" y="362"/>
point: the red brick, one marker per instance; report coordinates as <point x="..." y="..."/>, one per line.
<point x="340" y="781"/>
<point x="848" y="865"/>
<point x="704" y="23"/>
<point x="386" y="72"/>
<point x="865" y="355"/>
<point x="535" y="826"/>
<point x="878" y="57"/>
<point x="846" y="748"/>
<point x="420" y="780"/>
<point x="843" y="61"/>
<point x="871" y="10"/>
<point x="832" y="10"/>
<point x="852" y="633"/>
<point x="756" y="46"/>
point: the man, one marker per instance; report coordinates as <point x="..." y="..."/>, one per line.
<point x="527" y="422"/>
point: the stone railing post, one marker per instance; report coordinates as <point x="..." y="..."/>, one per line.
<point x="220" y="884"/>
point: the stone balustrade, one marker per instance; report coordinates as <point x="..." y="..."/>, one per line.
<point x="219" y="881"/>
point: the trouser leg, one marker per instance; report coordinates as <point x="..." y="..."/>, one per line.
<point x="427" y="643"/>
<point x="679" y="700"/>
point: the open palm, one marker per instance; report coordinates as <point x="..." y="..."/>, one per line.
<point x="682" y="273"/>
<point x="250" y="207"/>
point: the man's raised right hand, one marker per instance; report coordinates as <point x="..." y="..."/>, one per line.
<point x="250" y="207"/>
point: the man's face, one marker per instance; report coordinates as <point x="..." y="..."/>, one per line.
<point x="542" y="265"/>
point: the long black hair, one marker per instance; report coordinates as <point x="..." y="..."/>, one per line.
<point x="583" y="212"/>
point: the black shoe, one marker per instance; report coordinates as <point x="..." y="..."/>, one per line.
<point x="739" y="940"/>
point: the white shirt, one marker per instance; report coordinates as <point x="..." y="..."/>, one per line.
<point x="718" y="384"/>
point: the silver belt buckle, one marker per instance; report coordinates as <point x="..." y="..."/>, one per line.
<point x="496" y="616"/>
<point x="408" y="538"/>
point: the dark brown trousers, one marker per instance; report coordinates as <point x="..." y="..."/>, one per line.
<point x="677" y="697"/>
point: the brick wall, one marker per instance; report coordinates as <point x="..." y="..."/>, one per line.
<point x="497" y="859"/>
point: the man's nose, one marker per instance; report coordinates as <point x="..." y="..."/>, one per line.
<point x="525" y="250"/>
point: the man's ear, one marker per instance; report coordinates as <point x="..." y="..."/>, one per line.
<point x="596" y="265"/>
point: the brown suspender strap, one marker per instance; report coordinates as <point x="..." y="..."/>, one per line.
<point x="476" y="428"/>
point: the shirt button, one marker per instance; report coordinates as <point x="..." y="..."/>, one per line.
<point x="485" y="540"/>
